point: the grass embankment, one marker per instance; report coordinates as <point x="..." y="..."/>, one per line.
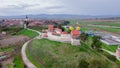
<point x="110" y="48"/>
<point x="18" y="63"/>
<point x="52" y="54"/>
<point x="105" y="46"/>
<point x="29" y="33"/>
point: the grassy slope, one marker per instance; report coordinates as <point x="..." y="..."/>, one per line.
<point x="51" y="54"/>
<point x="110" y="48"/>
<point x="28" y="33"/>
<point x="18" y="62"/>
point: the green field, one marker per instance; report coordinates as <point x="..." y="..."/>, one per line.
<point x="52" y="54"/>
<point x="84" y="25"/>
<point x="113" y="30"/>
<point x="96" y="23"/>
<point x="28" y="33"/>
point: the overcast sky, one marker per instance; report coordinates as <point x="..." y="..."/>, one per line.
<point x="81" y="7"/>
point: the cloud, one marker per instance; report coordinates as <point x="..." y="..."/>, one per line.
<point x="82" y="7"/>
<point x="54" y="7"/>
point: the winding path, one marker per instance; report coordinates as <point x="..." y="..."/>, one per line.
<point x="23" y="51"/>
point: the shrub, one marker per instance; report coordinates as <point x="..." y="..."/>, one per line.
<point x="95" y="63"/>
<point x="83" y="64"/>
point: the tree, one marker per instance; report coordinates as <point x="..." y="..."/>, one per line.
<point x="83" y="64"/>
<point x="97" y="63"/>
<point x="71" y="28"/>
<point x="96" y="43"/>
<point x="60" y="26"/>
<point x="66" y="22"/>
<point x="0" y="28"/>
<point x="0" y="65"/>
<point x="84" y="37"/>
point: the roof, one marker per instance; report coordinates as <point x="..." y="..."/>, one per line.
<point x="45" y="35"/>
<point x="75" y="32"/>
<point x="58" y="29"/>
<point x="64" y="33"/>
<point x="50" y="26"/>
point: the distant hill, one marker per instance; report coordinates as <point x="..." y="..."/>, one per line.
<point x="59" y="16"/>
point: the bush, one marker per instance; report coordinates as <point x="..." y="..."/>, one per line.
<point x="83" y="64"/>
<point x="110" y="57"/>
<point x="97" y="63"/>
<point x="0" y="65"/>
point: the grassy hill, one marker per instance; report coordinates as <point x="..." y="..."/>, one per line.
<point x="28" y="33"/>
<point x="51" y="54"/>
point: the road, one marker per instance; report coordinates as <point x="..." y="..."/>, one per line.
<point x="23" y="51"/>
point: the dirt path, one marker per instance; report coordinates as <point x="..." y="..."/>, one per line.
<point x="23" y="51"/>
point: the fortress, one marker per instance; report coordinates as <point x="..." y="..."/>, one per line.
<point x="57" y="34"/>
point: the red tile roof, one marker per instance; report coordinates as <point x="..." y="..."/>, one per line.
<point x="64" y="33"/>
<point x="45" y="35"/>
<point x="50" y="26"/>
<point x="75" y="32"/>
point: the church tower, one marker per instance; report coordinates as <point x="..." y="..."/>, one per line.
<point x="26" y="22"/>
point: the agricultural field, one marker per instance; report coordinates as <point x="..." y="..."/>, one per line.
<point x="12" y="45"/>
<point x="107" y="23"/>
<point x="113" y="27"/>
<point x="52" y="54"/>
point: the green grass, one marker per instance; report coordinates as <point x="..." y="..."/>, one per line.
<point x="52" y="54"/>
<point x="18" y="63"/>
<point x="110" y="48"/>
<point x="28" y="33"/>
<point x="95" y="23"/>
<point x="6" y="49"/>
<point x="8" y="65"/>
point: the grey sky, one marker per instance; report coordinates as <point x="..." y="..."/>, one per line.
<point x="81" y="7"/>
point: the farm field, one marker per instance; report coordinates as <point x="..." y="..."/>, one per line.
<point x="117" y="24"/>
<point x="52" y="54"/>
<point x="98" y="26"/>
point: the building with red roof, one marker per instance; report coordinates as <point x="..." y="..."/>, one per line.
<point x="45" y="35"/>
<point x="57" y="30"/>
<point x="75" y="34"/>
<point x="64" y="33"/>
<point x="51" y="28"/>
